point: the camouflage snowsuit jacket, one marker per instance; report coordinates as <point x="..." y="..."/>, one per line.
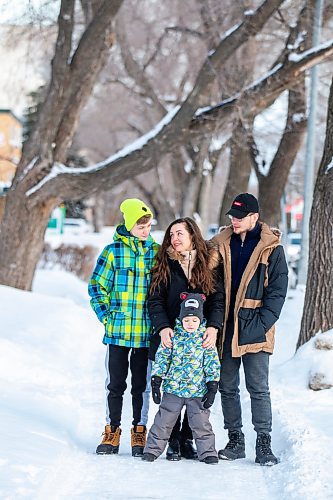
<point x="186" y="367"/>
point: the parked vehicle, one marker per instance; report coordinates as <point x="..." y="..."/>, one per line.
<point x="294" y="246"/>
<point x="75" y="226"/>
<point x="293" y="252"/>
<point x="212" y="230"/>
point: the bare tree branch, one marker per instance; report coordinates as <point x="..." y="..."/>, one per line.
<point x="254" y="153"/>
<point x="64" y="39"/>
<point x="262" y="94"/>
<point x="185" y="31"/>
<point x="90" y="8"/>
<point x="124" y="164"/>
<point x="176" y="130"/>
<point x="156" y="51"/>
<point x="135" y="71"/>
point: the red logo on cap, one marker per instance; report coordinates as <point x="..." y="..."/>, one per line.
<point x="238" y="203"/>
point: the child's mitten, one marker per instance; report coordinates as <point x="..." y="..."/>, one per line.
<point x="209" y="397"/>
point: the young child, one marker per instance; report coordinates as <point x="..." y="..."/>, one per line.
<point x="190" y="375"/>
<point x="118" y="289"/>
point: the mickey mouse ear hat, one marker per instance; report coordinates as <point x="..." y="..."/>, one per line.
<point x="192" y="305"/>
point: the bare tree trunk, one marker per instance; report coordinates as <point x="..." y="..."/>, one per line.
<point x="239" y="170"/>
<point x="318" y="310"/>
<point x="72" y="79"/>
<point x="98" y="213"/>
<point x="239" y="161"/>
<point x="160" y="203"/>
<point x="25" y="236"/>
<point x="193" y="182"/>
<point x="271" y="186"/>
<point x="204" y="200"/>
<point x="42" y="183"/>
<point x="191" y="191"/>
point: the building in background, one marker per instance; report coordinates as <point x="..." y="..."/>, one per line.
<point x="10" y="147"/>
<point x="10" y="151"/>
<point x="294" y="211"/>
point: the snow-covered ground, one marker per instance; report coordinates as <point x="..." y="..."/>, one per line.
<point x="52" y="413"/>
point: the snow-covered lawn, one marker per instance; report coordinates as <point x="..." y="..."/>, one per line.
<point x="52" y="413"/>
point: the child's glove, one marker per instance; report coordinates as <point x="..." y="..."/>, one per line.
<point x="209" y="397"/>
<point x="156" y="382"/>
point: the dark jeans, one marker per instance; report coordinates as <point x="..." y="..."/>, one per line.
<point x="117" y="369"/>
<point x="256" y="379"/>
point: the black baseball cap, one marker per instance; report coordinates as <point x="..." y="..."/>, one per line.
<point x="243" y="204"/>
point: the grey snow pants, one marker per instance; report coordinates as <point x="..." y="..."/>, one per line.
<point x="166" y="417"/>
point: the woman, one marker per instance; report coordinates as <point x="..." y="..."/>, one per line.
<point x="184" y="262"/>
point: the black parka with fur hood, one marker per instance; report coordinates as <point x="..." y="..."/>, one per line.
<point x="261" y="293"/>
<point x="164" y="303"/>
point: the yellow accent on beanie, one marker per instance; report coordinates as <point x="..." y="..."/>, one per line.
<point x="133" y="209"/>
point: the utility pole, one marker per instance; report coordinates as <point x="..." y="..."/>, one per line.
<point x="310" y="151"/>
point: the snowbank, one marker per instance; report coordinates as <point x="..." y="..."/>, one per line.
<point x="52" y="413"/>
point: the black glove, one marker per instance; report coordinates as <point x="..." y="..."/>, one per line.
<point x="209" y="397"/>
<point x="156" y="382"/>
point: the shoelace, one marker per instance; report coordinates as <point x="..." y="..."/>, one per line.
<point x="108" y="436"/>
<point x="139" y="439"/>
<point x="265" y="446"/>
<point x="234" y="440"/>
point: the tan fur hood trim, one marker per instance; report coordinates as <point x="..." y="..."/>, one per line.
<point x="214" y="255"/>
<point x="276" y="231"/>
<point x="173" y="254"/>
<point x="213" y="252"/>
<point x="269" y="235"/>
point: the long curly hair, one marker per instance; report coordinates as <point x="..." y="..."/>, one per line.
<point x="202" y="275"/>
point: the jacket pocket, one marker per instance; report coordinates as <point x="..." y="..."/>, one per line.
<point x="117" y="322"/>
<point x="250" y="328"/>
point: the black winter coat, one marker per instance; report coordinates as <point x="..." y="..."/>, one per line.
<point x="164" y="303"/>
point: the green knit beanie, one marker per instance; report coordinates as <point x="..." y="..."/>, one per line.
<point x="133" y="209"/>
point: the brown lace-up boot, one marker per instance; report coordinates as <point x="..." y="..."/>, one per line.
<point x="111" y="440"/>
<point x="138" y="440"/>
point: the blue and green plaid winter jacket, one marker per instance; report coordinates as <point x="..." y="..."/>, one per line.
<point x="119" y="286"/>
<point x="186" y="367"/>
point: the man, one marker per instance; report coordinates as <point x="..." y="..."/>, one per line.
<point x="118" y="289"/>
<point x="256" y="280"/>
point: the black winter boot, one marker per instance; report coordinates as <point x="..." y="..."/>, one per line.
<point x="210" y="460"/>
<point x="173" y="451"/>
<point x="264" y="454"/>
<point x="148" y="457"/>
<point x="235" y="447"/>
<point x="187" y="450"/>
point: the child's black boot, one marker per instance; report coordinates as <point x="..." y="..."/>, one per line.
<point x="187" y="449"/>
<point x="148" y="457"/>
<point x="173" y="451"/>
<point x="210" y="460"/>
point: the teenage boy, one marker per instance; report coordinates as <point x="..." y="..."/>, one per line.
<point x="118" y="289"/>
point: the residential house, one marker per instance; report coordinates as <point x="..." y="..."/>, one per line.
<point x="10" y="146"/>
